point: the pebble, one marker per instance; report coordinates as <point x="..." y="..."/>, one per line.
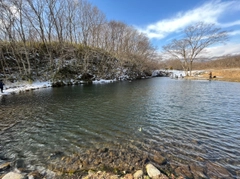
<point x="138" y="174"/>
<point x="152" y="171"/>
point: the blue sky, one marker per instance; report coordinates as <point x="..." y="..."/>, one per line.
<point x="164" y="20"/>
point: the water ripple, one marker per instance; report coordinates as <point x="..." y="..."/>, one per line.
<point x="187" y="121"/>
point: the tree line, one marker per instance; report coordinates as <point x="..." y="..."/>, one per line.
<point x="228" y="61"/>
<point x="46" y="30"/>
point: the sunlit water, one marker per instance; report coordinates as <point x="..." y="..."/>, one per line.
<point x="188" y="121"/>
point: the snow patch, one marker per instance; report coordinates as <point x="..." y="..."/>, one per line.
<point x="15" y="88"/>
<point x="101" y="81"/>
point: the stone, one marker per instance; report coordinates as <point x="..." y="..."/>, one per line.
<point x="146" y="177"/>
<point x="50" y="174"/>
<point x="114" y="177"/>
<point x="34" y="175"/>
<point x="46" y="172"/>
<point x="159" y="159"/>
<point x="31" y="177"/>
<point x="152" y="171"/>
<point x="128" y="176"/>
<point x="138" y="174"/>
<point x="5" y="166"/>
<point x="13" y="175"/>
<point x="214" y="170"/>
<point x="161" y="176"/>
<point x="103" y="150"/>
<point x="91" y="172"/>
<point x="197" y="171"/>
<point x="184" y="171"/>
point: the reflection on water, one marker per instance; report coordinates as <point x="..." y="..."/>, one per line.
<point x="187" y="121"/>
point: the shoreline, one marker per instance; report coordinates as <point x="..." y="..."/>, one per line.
<point x="121" y="163"/>
<point x="24" y="86"/>
<point x="226" y="74"/>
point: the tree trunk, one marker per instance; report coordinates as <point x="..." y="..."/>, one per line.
<point x="190" y="67"/>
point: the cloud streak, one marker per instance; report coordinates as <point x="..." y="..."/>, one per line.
<point x="209" y="12"/>
<point x="228" y="49"/>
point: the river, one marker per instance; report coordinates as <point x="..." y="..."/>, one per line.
<point x="187" y="121"/>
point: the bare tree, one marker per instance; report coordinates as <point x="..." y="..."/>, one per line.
<point x="197" y="38"/>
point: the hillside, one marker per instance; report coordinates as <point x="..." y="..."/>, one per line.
<point x="66" y="64"/>
<point x="69" y="43"/>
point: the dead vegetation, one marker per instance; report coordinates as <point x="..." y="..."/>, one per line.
<point x="225" y="68"/>
<point x="230" y="74"/>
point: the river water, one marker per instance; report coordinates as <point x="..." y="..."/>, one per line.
<point x="188" y="121"/>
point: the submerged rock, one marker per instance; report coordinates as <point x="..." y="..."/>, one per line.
<point x="13" y="175"/>
<point x="197" y="171"/>
<point x="214" y="170"/>
<point x="159" y="159"/>
<point x="184" y="171"/>
<point x="100" y="174"/>
<point x="5" y="166"/>
<point x="35" y="175"/>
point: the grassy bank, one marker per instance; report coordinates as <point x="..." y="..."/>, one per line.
<point x="225" y="74"/>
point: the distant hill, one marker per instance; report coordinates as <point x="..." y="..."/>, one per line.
<point x="231" y="61"/>
<point x="219" y="62"/>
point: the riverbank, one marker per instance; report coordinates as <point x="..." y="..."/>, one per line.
<point x="229" y="74"/>
<point x="23" y="86"/>
<point x="121" y="163"/>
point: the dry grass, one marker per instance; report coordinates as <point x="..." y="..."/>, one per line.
<point x="230" y="74"/>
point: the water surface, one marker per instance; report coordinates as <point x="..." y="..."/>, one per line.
<point x="188" y="121"/>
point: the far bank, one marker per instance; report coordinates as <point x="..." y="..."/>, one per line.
<point x="225" y="74"/>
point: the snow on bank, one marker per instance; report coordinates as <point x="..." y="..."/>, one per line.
<point x="177" y="72"/>
<point x="15" y="88"/>
<point x="182" y="73"/>
<point x="103" y="81"/>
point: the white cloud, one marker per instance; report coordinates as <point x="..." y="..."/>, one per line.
<point x="208" y="12"/>
<point x="230" y="24"/>
<point x="228" y="49"/>
<point x="233" y="33"/>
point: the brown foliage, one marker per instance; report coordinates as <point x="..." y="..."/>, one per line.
<point x="220" y="63"/>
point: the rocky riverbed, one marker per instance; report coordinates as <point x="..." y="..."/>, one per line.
<point x="116" y="163"/>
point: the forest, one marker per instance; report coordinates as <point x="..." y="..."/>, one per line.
<point x="64" y="39"/>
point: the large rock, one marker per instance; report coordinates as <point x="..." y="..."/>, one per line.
<point x="152" y="171"/>
<point x="13" y="175"/>
<point x="215" y="170"/>
<point x="138" y="174"/>
<point x="159" y="159"/>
